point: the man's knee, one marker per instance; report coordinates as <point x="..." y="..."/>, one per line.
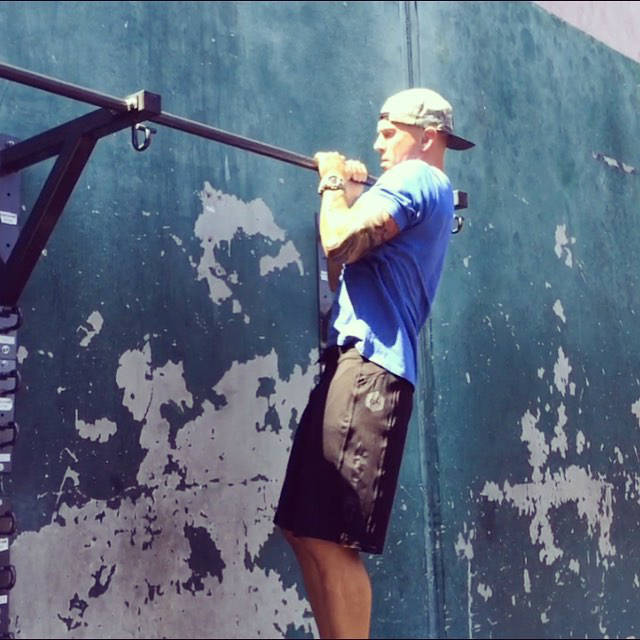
<point x="323" y="552"/>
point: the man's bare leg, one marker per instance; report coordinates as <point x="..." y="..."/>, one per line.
<point x="312" y="583"/>
<point x="338" y="587"/>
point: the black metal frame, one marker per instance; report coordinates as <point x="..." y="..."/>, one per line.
<point x="73" y="143"/>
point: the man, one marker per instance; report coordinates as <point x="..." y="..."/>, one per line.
<point x="390" y="244"/>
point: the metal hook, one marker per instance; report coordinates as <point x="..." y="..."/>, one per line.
<point x="459" y="224"/>
<point x="141" y="145"/>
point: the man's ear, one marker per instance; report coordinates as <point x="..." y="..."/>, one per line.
<point x="428" y="137"/>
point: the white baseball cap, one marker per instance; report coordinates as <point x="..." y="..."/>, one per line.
<point x="424" y="108"/>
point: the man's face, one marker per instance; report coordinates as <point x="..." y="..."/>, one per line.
<point x="397" y="142"/>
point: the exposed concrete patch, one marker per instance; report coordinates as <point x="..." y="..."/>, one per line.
<point x="561" y="372"/>
<point x="559" y="311"/>
<point x="561" y="247"/>
<point x="100" y="430"/>
<point x="538" y="448"/>
<point x="547" y="491"/>
<point x="223" y="216"/>
<point x="95" y="323"/>
<point x="22" y="354"/>
<point x="615" y="164"/>
<point x="592" y="496"/>
<point x="134" y="555"/>
<point x="288" y="254"/>
<point x="635" y="409"/>
<point x="560" y="442"/>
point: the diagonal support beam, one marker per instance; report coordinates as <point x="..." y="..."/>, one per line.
<point x="73" y="143"/>
<point x="46" y="212"/>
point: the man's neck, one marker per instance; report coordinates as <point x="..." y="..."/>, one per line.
<point x="435" y="159"/>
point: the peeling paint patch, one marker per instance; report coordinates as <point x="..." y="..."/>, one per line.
<point x="485" y="591"/>
<point x="538" y="448"/>
<point x="619" y="455"/>
<point x="492" y="492"/>
<point x="559" y="311"/>
<point x="464" y="549"/>
<point x="133" y="376"/>
<point x="95" y="323"/>
<point x="288" y="254"/>
<point x="191" y="531"/>
<point x="580" y="442"/>
<point x="22" y="354"/>
<point x="101" y="430"/>
<point x="635" y="409"/>
<point x="561" y="247"/>
<point x="560" y="442"/>
<point x="561" y="371"/>
<point x="223" y="217"/>
<point x="592" y="496"/>
<point x="615" y="164"/>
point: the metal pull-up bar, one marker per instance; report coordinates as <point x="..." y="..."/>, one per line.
<point x="73" y="143"/>
<point x="75" y="92"/>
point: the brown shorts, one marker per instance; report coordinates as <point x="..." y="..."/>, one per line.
<point x="346" y="454"/>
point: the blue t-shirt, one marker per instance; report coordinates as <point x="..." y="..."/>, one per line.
<point x="385" y="297"/>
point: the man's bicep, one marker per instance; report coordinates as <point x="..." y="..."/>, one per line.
<point x="369" y="228"/>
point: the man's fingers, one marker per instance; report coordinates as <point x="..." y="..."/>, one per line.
<point x="356" y="170"/>
<point x="328" y="161"/>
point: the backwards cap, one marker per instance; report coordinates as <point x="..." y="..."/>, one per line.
<point x="424" y="108"/>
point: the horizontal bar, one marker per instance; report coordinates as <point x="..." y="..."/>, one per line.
<point x="212" y="133"/>
<point x="61" y="88"/>
<point x="75" y="92"/>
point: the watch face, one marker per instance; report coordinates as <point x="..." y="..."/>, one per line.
<point x="333" y="181"/>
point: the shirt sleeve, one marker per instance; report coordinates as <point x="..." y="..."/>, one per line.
<point x="402" y="191"/>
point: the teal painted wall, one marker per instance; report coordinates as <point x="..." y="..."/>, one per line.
<point x="170" y="330"/>
<point x="534" y="359"/>
<point x="171" y="334"/>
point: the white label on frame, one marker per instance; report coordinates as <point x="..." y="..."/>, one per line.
<point x="6" y="217"/>
<point x="5" y="457"/>
<point x="6" y="404"/>
<point x="7" y="339"/>
<point x="4" y="544"/>
<point x="4" y="599"/>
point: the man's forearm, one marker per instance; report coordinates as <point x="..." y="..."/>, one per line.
<point x="334" y="218"/>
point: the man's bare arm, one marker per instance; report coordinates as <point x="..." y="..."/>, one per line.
<point x="348" y="232"/>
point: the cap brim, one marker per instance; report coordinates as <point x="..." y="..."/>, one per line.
<point x="459" y="144"/>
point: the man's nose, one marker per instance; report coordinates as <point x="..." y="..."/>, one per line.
<point x="377" y="145"/>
